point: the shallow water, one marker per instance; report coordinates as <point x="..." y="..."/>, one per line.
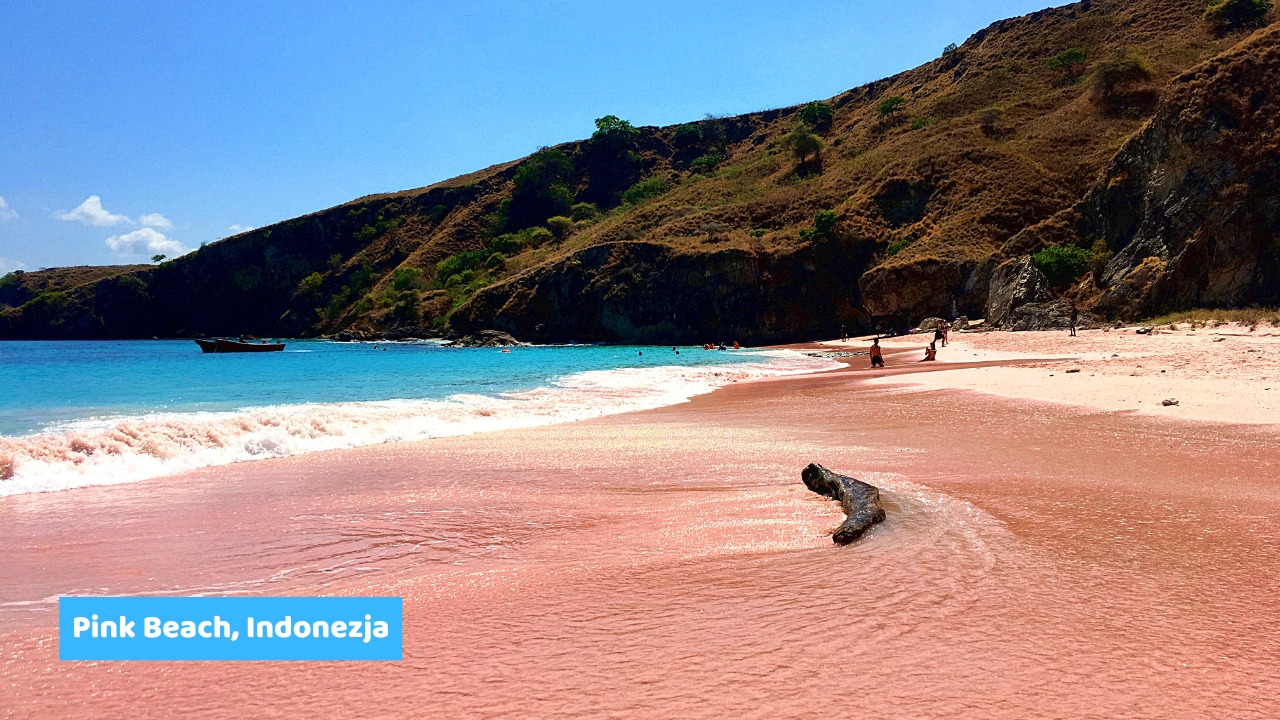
<point x="94" y="413"/>
<point x="1037" y="561"/>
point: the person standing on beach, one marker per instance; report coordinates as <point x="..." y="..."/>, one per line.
<point x="877" y="360"/>
<point x="1075" y="315"/>
<point x="945" y="327"/>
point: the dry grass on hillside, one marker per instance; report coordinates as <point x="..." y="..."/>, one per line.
<point x="1248" y="317"/>
<point x="990" y="140"/>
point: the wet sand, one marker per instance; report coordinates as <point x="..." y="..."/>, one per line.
<point x="1039" y="560"/>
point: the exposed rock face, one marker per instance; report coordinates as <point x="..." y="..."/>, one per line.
<point x="1015" y="284"/>
<point x="651" y="293"/>
<point x="486" y="338"/>
<point x="920" y="288"/>
<point x="1191" y="205"/>
<point x="1055" y="315"/>
<point x="861" y="501"/>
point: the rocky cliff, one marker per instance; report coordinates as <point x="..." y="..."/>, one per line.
<point x="1136" y="123"/>
<point x="1191" y="205"/>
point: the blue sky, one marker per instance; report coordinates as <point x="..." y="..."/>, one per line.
<point x="130" y="128"/>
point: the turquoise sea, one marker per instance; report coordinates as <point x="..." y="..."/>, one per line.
<point x="101" y="412"/>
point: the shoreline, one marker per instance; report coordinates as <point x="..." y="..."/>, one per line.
<point x="128" y="449"/>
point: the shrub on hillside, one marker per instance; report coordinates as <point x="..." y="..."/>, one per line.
<point x="817" y="115"/>
<point x="584" y="211"/>
<point x="686" y="135"/>
<point x="463" y="278"/>
<point x="802" y="143"/>
<point x="890" y="106"/>
<point x="1233" y="13"/>
<point x="644" y="190"/>
<point x="707" y="162"/>
<point x="512" y="243"/>
<point x="1067" y="58"/>
<point x="609" y="162"/>
<point x="613" y="129"/>
<point x="824" y="226"/>
<point x="824" y="222"/>
<point x="508" y="243"/>
<point x="537" y="237"/>
<point x="407" y="309"/>
<point x="1117" y="77"/>
<point x="310" y="284"/>
<point x="540" y="190"/>
<point x="1062" y="265"/>
<point x="406" y="278"/>
<point x="1069" y="64"/>
<point x="453" y="266"/>
<point x="898" y="246"/>
<point x="560" y="226"/>
<point x="369" y="232"/>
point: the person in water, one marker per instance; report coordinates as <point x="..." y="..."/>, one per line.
<point x="877" y="360"/>
<point x="931" y="352"/>
<point x="736" y="346"/>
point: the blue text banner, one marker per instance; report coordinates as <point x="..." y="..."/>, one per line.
<point x="229" y="628"/>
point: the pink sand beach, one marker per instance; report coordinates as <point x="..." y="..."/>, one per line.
<point x="1047" y="553"/>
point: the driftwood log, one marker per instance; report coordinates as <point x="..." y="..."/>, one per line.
<point x="861" y="501"/>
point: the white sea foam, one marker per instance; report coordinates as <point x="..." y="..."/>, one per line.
<point x="110" y="451"/>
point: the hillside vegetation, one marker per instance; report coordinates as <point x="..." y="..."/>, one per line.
<point x="1029" y="149"/>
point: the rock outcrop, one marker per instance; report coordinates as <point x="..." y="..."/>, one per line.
<point x="642" y="292"/>
<point x="1018" y="291"/>
<point x="861" y="501"/>
<point x="1191" y="205"/>
<point x="486" y="339"/>
<point x="1022" y="299"/>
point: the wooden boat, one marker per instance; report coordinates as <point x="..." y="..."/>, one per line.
<point x="220" y="345"/>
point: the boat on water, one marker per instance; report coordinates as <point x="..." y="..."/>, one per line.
<point x="222" y="345"/>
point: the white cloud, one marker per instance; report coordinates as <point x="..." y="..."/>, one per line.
<point x="237" y="229"/>
<point x="92" y="213"/>
<point x="155" y="220"/>
<point x="145" y="242"/>
<point x="6" y="212"/>
<point x="7" y="266"/>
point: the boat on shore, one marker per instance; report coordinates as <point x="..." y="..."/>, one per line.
<point x="222" y="345"/>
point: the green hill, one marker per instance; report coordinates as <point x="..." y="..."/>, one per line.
<point x="922" y="194"/>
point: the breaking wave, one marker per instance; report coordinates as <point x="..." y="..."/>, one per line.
<point x="106" y="451"/>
